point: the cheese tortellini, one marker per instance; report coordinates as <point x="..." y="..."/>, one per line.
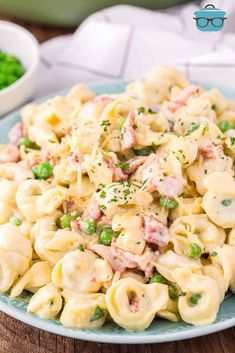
<point x="133" y="305"/>
<point x="121" y="206"/>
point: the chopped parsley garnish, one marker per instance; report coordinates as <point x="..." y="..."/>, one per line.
<point x="15" y="220"/>
<point x="214" y="253"/>
<point x="81" y="247"/>
<point x="168" y="203"/>
<point x="226" y="202"/>
<point x="105" y="123"/>
<point x="141" y="110"/>
<point x="98" y="314"/>
<point x="225" y="125"/>
<point x="232" y="140"/>
<point x="102" y="194"/>
<point x="123" y="166"/>
<point x="150" y="111"/>
<point x="145" y="151"/>
<point x="193" y="127"/>
<point x="194" y="299"/>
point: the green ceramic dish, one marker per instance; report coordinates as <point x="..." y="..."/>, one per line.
<point x="159" y="331"/>
<point x="69" y="12"/>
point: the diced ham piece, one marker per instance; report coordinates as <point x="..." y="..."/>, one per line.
<point x="134" y="164"/>
<point x="93" y="211"/>
<point x="210" y="151"/>
<point x="134" y="304"/>
<point x="183" y="97"/>
<point x="75" y="159"/>
<point x="120" y="259"/>
<point x="118" y="174"/>
<point x="128" y="133"/>
<point x="75" y="226"/>
<point x="16" y="133"/>
<point x="33" y="162"/>
<point x="171" y="185"/>
<point x="10" y="154"/>
<point x="155" y="231"/>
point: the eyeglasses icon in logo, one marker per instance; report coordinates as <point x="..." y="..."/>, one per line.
<point x="210" y="19"/>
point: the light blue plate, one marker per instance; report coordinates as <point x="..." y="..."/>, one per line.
<point x="159" y="331"/>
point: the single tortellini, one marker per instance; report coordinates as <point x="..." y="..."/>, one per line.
<point x="81" y="272"/>
<point x="36" y="198"/>
<point x="46" y="302"/>
<point x="37" y="276"/>
<point x="183" y="148"/>
<point x="41" y="134"/>
<point x="168" y="262"/>
<point x="51" y="243"/>
<point x="12" y="265"/>
<point x="120" y="194"/>
<point x="84" y="311"/>
<point x="216" y="272"/>
<point x="12" y="239"/>
<point x="147" y="137"/>
<point x="97" y="169"/>
<point x="64" y="173"/>
<point x="195" y="229"/>
<point x="201" y="303"/>
<point x="225" y="261"/>
<point x="219" y="200"/>
<point x="15" y="255"/>
<point x="15" y="172"/>
<point x="133" y="305"/>
<point x="214" y="160"/>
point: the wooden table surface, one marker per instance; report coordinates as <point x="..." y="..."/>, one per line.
<point x="16" y="337"/>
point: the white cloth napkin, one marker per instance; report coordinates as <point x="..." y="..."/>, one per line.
<point x="126" y="42"/>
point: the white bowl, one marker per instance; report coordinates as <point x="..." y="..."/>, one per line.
<point x="17" y="41"/>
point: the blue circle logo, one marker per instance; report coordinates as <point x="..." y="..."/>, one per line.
<point x="210" y="19"/>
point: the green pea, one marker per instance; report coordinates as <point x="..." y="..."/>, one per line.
<point x="145" y="151"/>
<point x="225" y="125"/>
<point x="120" y="122"/>
<point x="193" y="250"/>
<point x="27" y="143"/>
<point x="194" y="299"/>
<point x="18" y="71"/>
<point x="158" y="278"/>
<point x="2" y="56"/>
<point x="43" y="170"/>
<point x="15" y="220"/>
<point x="11" y="59"/>
<point x="67" y="218"/>
<point x="173" y="291"/>
<point x="10" y="70"/>
<point x="88" y="226"/>
<point x="106" y="235"/>
<point x="10" y="80"/>
<point x="193" y="127"/>
<point x="168" y="203"/>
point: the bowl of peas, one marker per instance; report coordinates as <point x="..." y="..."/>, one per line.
<point x="19" y="60"/>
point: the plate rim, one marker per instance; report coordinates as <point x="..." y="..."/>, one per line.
<point x="111" y="337"/>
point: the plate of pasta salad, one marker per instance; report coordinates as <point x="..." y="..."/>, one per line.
<point x="117" y="219"/>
